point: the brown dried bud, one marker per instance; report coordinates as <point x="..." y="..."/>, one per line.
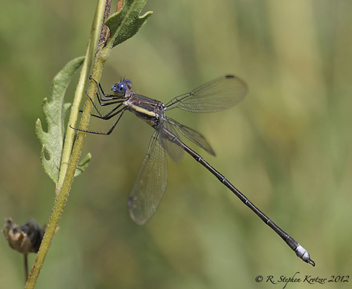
<point x="25" y="238"/>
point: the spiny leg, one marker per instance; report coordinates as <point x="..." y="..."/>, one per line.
<point x="111" y="113"/>
<point x="121" y="111"/>
<point x="106" y="97"/>
<point x="108" y="115"/>
<point x="103" y="104"/>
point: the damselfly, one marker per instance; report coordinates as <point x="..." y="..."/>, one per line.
<point x="149" y="187"/>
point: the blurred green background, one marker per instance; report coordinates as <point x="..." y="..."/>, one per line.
<point x="287" y="146"/>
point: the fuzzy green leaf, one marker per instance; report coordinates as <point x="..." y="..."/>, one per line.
<point x="83" y="164"/>
<point x="126" y="22"/>
<point x="54" y="112"/>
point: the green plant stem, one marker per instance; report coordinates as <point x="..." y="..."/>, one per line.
<point x="120" y="26"/>
<point x="69" y="167"/>
<point x="25" y="261"/>
<point x="69" y="138"/>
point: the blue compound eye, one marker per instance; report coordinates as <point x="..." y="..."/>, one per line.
<point x="128" y="83"/>
<point x="119" y="88"/>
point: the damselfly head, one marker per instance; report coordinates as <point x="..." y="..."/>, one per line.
<point x="119" y="88"/>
